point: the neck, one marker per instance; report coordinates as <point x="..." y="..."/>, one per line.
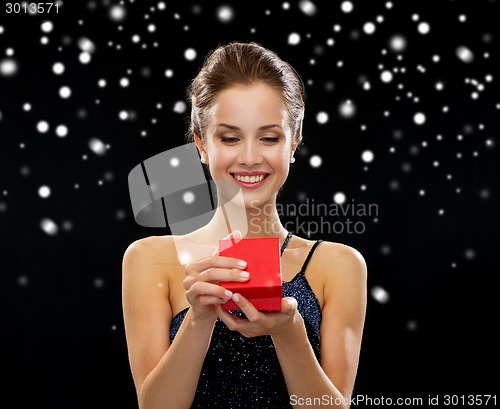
<point x="256" y="221"/>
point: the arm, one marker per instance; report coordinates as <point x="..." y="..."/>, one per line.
<point x="155" y="364"/>
<point x="341" y="330"/>
<point x="147" y="316"/>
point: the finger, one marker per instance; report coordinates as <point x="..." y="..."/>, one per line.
<point x="215" y="262"/>
<point x="235" y="236"/>
<point x="211" y="300"/>
<point x="216" y="275"/>
<point x="247" y="307"/>
<point x="231" y="321"/>
<point x="203" y="288"/>
<point x="289" y="306"/>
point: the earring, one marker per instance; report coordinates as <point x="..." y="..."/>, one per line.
<point x="202" y="159"/>
<point x="292" y="160"/>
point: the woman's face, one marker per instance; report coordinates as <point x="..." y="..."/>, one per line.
<point x="248" y="142"/>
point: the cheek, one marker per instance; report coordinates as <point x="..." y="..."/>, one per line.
<point x="282" y="156"/>
<point x="279" y="163"/>
<point x="219" y="157"/>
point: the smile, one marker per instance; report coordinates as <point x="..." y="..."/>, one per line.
<point x="251" y="181"/>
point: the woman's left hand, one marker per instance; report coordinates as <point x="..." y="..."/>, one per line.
<point x="259" y="323"/>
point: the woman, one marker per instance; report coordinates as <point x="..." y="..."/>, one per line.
<point x="184" y="349"/>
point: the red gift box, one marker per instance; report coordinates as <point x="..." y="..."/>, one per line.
<point x="262" y="255"/>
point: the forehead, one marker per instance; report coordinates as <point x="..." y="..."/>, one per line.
<point x="253" y="105"/>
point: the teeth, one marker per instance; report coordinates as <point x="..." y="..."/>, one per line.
<point x="249" y="179"/>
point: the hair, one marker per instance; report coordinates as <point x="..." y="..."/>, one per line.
<point x="248" y="64"/>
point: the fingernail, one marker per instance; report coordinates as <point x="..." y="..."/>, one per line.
<point x="242" y="263"/>
<point x="245" y="274"/>
<point x="228" y="293"/>
<point x="236" y="298"/>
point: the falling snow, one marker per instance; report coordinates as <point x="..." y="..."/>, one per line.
<point x="97" y="146"/>
<point x="380" y="294"/>
<point x="308" y="7"/>
<point x="465" y="54"/>
<point x="8" y="67"/>
<point x="402" y="107"/>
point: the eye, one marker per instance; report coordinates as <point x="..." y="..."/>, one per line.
<point x="270" y="139"/>
<point x="228" y="140"/>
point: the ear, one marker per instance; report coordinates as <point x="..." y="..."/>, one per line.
<point x="296" y="144"/>
<point x="199" y="144"/>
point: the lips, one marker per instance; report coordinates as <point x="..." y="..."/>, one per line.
<point x="250" y="179"/>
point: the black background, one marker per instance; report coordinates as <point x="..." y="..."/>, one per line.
<point x="62" y="336"/>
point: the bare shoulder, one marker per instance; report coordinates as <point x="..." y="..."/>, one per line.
<point x="153" y="250"/>
<point x="147" y="264"/>
<point x="340" y="262"/>
<point x="343" y="273"/>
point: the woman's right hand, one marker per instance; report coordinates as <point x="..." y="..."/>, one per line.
<point x="203" y="277"/>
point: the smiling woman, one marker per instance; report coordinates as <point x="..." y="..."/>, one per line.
<point x="185" y="350"/>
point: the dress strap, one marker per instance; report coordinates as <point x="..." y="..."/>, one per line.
<point x="304" y="266"/>
<point x="285" y="243"/>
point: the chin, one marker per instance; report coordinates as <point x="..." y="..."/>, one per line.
<point x="255" y="202"/>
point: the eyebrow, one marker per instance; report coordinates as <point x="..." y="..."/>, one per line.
<point x="261" y="128"/>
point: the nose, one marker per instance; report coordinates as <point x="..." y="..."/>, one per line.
<point x="249" y="154"/>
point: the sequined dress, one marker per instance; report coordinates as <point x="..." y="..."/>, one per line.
<point x="241" y="372"/>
